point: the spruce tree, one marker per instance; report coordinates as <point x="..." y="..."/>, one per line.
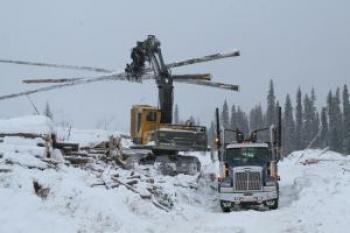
<point x="308" y="121"/>
<point x="271" y="106"/>
<point x="176" y="114"/>
<point x="233" y="122"/>
<point x="259" y="117"/>
<point x="288" y="132"/>
<point x="225" y="116"/>
<point x="256" y="118"/>
<point x="298" y="121"/>
<point x="191" y="121"/>
<point x="315" y="114"/>
<point x="339" y="120"/>
<point x="335" y="122"/>
<point x="324" y="127"/>
<point x="212" y="134"/>
<point x="242" y="121"/>
<point x="346" y="120"/>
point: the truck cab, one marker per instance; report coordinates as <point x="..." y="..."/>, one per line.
<point x="248" y="176"/>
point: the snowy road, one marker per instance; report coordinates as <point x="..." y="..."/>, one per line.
<point x="314" y="198"/>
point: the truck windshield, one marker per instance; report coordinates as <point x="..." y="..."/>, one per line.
<point x="247" y="155"/>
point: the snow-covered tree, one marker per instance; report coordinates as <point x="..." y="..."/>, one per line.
<point x="271" y="106"/>
<point x="212" y="134"/>
<point x="191" y="121"/>
<point x="310" y="120"/>
<point x="225" y="116"/>
<point x="256" y="118"/>
<point x="288" y="131"/>
<point x="346" y="121"/>
<point x="176" y="114"/>
<point x="298" y="121"/>
<point x="335" y="121"/>
<point x="242" y="121"/>
<point x="324" y="127"/>
<point x="233" y="123"/>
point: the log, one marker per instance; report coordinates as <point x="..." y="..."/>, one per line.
<point x="158" y="205"/>
<point x="129" y="187"/>
<point x="77" y="160"/>
<point x="134" y="177"/>
<point x="66" y="147"/>
<point x="81" y="154"/>
<point x="10" y="162"/>
<point x="24" y="135"/>
<point x="132" y="182"/>
<point x="5" y="170"/>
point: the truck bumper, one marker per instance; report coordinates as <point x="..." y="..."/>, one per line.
<point x="250" y="197"/>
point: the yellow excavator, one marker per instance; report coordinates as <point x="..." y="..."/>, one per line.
<point x="152" y="127"/>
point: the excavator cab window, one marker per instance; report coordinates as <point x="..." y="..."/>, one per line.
<point x="151" y="116"/>
<point x="138" y="121"/>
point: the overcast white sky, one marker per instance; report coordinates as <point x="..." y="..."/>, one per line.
<point x="296" y="43"/>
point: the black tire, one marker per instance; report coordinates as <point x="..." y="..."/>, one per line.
<point x="275" y="205"/>
<point x="223" y="208"/>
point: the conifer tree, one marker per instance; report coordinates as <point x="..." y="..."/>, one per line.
<point x="211" y="134"/>
<point x="271" y="106"/>
<point x="298" y="121"/>
<point x="256" y="118"/>
<point x="324" y="127"/>
<point x="339" y="120"/>
<point x="346" y="118"/>
<point x="242" y="121"/>
<point x="308" y="121"/>
<point x="288" y="132"/>
<point x="335" y="122"/>
<point x="225" y="116"/>
<point x="233" y="122"/>
<point x="176" y="114"/>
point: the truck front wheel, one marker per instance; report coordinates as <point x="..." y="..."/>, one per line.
<point x="224" y="207"/>
<point x="272" y="204"/>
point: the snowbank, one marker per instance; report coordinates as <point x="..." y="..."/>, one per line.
<point x="36" y="124"/>
<point x="314" y="197"/>
<point x="86" y="137"/>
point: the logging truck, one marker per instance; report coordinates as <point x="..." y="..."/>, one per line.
<point x="248" y="170"/>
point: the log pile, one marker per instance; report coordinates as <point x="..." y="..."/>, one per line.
<point x="139" y="183"/>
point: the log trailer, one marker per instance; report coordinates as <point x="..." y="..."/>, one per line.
<point x="248" y="169"/>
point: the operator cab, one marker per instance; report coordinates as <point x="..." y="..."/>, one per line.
<point x="144" y="118"/>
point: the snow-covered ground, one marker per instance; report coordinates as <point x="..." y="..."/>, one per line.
<point x="315" y="191"/>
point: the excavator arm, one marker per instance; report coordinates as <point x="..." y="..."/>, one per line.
<point x="149" y="51"/>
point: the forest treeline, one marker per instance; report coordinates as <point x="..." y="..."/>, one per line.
<point x="304" y="125"/>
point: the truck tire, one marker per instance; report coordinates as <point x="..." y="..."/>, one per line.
<point x="224" y="208"/>
<point x="275" y="204"/>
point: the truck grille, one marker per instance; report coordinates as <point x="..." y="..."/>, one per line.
<point x="247" y="181"/>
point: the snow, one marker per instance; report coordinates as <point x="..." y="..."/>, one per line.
<point x="36" y="124"/>
<point x="315" y="188"/>
<point x="87" y="137"/>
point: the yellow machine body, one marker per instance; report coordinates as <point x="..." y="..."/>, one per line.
<point x="144" y="120"/>
<point x="147" y="130"/>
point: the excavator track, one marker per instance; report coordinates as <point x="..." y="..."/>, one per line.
<point x="179" y="164"/>
<point x="165" y="162"/>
